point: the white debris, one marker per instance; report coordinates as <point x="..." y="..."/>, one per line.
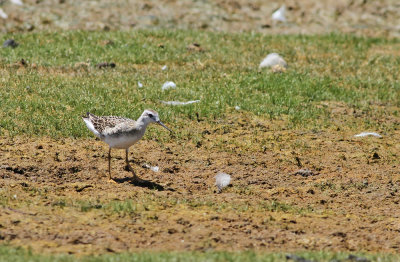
<point x="179" y="103"/>
<point x="17" y="2"/>
<point x="155" y="168"/>
<point x="3" y="14"/>
<point x="152" y="168"/>
<point x="15" y="196"/>
<point x="140" y="85"/>
<point x="237" y="107"/>
<point x="164" y="68"/>
<point x="364" y="134"/>
<point x="272" y="60"/>
<point x="222" y="180"/>
<point x="168" y="85"/>
<point x="279" y="15"/>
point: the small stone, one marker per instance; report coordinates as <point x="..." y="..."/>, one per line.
<point x="305" y="172"/>
<point x="357" y="258"/>
<point x="105" y="64"/>
<point x="376" y="156"/>
<point x="10" y="43"/>
<point x="172" y="231"/>
<point x="195" y="47"/>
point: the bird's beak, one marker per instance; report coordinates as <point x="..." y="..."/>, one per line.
<point x="161" y="124"/>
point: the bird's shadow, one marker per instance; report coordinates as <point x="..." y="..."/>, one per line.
<point x="142" y="183"/>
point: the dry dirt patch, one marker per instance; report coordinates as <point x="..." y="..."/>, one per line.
<point x="55" y="196"/>
<point x="373" y="18"/>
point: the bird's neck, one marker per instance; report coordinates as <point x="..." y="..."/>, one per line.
<point x="142" y="123"/>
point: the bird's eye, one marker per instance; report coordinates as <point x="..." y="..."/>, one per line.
<point x="150" y="115"/>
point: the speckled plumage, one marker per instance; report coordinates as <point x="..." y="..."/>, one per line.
<point x="109" y="125"/>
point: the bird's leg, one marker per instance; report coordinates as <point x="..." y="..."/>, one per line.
<point x="109" y="162"/>
<point x="127" y="166"/>
<point x="109" y="165"/>
<point x="130" y="168"/>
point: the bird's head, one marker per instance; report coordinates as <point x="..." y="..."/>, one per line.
<point x="151" y="116"/>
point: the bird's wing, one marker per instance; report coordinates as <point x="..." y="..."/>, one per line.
<point x="108" y="125"/>
<point x="113" y="124"/>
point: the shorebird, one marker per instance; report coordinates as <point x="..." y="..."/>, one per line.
<point x="121" y="133"/>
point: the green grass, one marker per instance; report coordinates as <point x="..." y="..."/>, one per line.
<point x="19" y="254"/>
<point x="328" y="68"/>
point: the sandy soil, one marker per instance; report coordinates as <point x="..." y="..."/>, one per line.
<point x="349" y="201"/>
<point x="363" y="17"/>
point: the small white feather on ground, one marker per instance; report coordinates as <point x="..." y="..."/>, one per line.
<point x="152" y="168"/>
<point x="164" y="68"/>
<point x="222" y="180"/>
<point x="140" y="85"/>
<point x="272" y="60"/>
<point x="155" y="168"/>
<point x="17" y="2"/>
<point x="364" y="134"/>
<point x="168" y="85"/>
<point x="279" y="15"/>
<point x="179" y="103"/>
<point x="3" y="14"/>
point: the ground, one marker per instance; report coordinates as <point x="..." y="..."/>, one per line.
<point x="300" y="182"/>
<point x="362" y="17"/>
<point x="57" y="197"/>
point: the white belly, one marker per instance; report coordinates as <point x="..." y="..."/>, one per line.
<point x="122" y="141"/>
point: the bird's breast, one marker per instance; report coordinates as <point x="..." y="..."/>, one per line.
<point x="122" y="141"/>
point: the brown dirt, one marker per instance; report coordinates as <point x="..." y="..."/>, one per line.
<point x="372" y="18"/>
<point x="55" y="196"/>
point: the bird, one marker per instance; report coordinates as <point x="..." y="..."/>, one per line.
<point x="121" y="133"/>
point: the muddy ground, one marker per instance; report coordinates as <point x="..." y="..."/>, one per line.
<point x="56" y="196"/>
<point x="362" y="17"/>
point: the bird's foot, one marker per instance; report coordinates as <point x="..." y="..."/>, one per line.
<point x="110" y="180"/>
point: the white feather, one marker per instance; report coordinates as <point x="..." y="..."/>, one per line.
<point x="3" y="14"/>
<point x="179" y="103"/>
<point x="152" y="168"/>
<point x="279" y="15"/>
<point x="17" y="2"/>
<point x="273" y="59"/>
<point x="364" y="134"/>
<point x="222" y="180"/>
